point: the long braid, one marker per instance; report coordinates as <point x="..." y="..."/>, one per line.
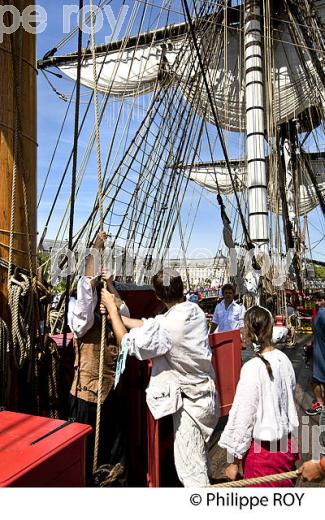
<point x="266" y="363"/>
<point x="259" y="324"/>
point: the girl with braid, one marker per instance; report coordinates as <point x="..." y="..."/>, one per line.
<point x="260" y="433"/>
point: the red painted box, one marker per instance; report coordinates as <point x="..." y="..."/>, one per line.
<point x="227" y="361"/>
<point x="56" y="461"/>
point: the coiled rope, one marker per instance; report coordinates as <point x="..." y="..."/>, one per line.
<point x="257" y="480"/>
<point x="22" y="316"/>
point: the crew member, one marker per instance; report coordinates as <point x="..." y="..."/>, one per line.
<point x="85" y="322"/>
<point x="228" y="315"/>
<point x="182" y="378"/>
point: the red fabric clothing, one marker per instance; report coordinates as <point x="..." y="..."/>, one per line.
<point x="260" y="461"/>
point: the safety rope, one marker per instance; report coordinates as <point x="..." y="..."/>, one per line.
<point x="100" y="206"/>
<point x="257" y="480"/>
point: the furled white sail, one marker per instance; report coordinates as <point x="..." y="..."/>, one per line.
<point x="205" y="174"/>
<point x="128" y="72"/>
<point x="135" y="70"/>
<point x="210" y="176"/>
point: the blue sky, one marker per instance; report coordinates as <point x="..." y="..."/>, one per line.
<point x="51" y="110"/>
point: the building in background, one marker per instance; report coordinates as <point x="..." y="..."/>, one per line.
<point x="201" y="272"/>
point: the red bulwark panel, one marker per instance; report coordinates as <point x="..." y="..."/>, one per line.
<point x="56" y="461"/>
<point x="226" y="359"/>
<point x="142" y="304"/>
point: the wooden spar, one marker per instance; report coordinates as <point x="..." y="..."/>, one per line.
<point x="24" y="46"/>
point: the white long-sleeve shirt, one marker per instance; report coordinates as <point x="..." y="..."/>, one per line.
<point x="263" y="409"/>
<point x="81" y="311"/>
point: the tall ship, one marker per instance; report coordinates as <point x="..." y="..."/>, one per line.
<point x="187" y="104"/>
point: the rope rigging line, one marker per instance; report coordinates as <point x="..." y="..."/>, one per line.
<point x="88" y="151"/>
<point x="61" y="96"/>
<point x="85" y="161"/>
<point x="176" y="204"/>
<point x="192" y="153"/>
<point x="74" y="172"/>
<point x="56" y="146"/>
<point x="69" y="36"/>
<point x="164" y="118"/>
<point x="213" y="109"/>
<point x="100" y="204"/>
<point x="84" y="228"/>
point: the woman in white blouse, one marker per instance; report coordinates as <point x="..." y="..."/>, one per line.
<point x="261" y="429"/>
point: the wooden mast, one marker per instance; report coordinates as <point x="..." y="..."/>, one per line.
<point x="17" y="60"/>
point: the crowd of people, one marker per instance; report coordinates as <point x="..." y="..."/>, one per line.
<point x="260" y="436"/>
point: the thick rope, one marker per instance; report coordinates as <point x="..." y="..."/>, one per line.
<point x="22" y="316"/>
<point x="257" y="480"/>
<point x="17" y="137"/>
<point x="101" y="217"/>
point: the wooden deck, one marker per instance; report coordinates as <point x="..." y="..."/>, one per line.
<point x="308" y="426"/>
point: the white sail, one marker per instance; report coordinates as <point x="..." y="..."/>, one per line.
<point x="208" y="175"/>
<point x="126" y="73"/>
<point x="205" y="175"/>
<point x="135" y="70"/>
